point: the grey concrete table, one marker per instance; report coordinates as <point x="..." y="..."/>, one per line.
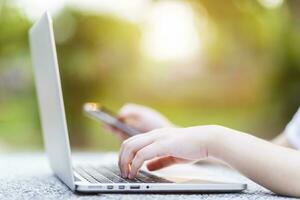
<point x="28" y="176"/>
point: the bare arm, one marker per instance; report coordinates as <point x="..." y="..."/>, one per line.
<point x="272" y="166"/>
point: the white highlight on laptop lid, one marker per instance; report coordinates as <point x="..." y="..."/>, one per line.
<point x="51" y="105"/>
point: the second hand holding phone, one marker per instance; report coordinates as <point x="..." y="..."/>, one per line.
<point x="99" y="113"/>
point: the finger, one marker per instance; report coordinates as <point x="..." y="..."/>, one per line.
<point x="129" y="144"/>
<point x="130" y="118"/>
<point x="129" y="148"/>
<point x="125" y="116"/>
<point x="160" y="163"/>
<point x="129" y="110"/>
<point x="149" y="152"/>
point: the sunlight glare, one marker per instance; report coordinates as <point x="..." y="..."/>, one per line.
<point x="271" y="3"/>
<point x="170" y="32"/>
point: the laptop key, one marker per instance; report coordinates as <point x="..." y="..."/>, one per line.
<point x="110" y="175"/>
<point x="116" y="172"/>
<point x="84" y="175"/>
<point x="96" y="175"/>
<point x="142" y="176"/>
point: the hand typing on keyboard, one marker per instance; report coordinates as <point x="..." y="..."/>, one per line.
<point x="144" y="119"/>
<point x="163" y="147"/>
<point x="111" y="174"/>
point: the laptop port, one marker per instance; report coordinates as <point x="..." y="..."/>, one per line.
<point x="96" y="187"/>
<point x="135" y="187"/>
<point x="121" y="187"/>
<point x="110" y="187"/>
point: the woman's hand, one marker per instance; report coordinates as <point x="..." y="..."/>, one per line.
<point x="272" y="166"/>
<point x="164" y="147"/>
<point x="141" y="118"/>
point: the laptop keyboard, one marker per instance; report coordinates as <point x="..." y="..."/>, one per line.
<point x="111" y="174"/>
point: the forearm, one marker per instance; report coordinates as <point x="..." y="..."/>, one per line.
<point x="272" y="166"/>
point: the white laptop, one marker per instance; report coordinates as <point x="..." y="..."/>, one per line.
<point x="90" y="179"/>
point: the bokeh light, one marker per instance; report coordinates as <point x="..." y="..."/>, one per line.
<point x="271" y="3"/>
<point x="170" y="32"/>
<point x="233" y="63"/>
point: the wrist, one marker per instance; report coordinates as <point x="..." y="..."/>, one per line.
<point x="208" y="139"/>
<point x="215" y="141"/>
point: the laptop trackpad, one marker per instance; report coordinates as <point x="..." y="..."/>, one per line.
<point x="190" y="180"/>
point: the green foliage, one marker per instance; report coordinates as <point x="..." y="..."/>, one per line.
<point x="248" y="79"/>
<point x="13" y="31"/>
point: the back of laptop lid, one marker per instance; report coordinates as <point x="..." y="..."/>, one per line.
<point x="51" y="106"/>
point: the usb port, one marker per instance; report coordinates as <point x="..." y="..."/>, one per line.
<point x="110" y="187"/>
<point x="122" y="187"/>
<point x="135" y="187"/>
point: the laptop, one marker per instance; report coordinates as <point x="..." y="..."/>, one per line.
<point x="88" y="178"/>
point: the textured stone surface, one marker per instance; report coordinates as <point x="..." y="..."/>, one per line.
<point x="28" y="176"/>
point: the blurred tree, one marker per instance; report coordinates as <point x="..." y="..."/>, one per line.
<point x="13" y="31"/>
<point x="249" y="77"/>
<point x="19" y="125"/>
<point x="286" y="85"/>
<point x="267" y="39"/>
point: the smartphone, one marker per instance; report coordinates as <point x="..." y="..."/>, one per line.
<point x="100" y="113"/>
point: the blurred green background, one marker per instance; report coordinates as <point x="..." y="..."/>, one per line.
<point x="234" y="63"/>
